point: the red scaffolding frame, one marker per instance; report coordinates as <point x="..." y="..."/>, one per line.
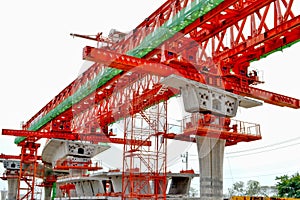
<point x="144" y="168"/>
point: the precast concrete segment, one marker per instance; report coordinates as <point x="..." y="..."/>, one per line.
<point x="117" y="183"/>
<point x="199" y="97"/>
<point x="180" y="185"/>
<point x="12" y="188"/>
<point x="77" y="172"/>
<point x="11" y="164"/>
<point x="97" y="187"/>
<point x="56" y="149"/>
<point x="211" y="154"/>
<point x="96" y="183"/>
<point x="86" y="186"/>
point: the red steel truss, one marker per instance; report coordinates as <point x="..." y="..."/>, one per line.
<point x="272" y="25"/>
<point x="128" y="63"/>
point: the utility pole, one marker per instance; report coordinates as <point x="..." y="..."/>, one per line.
<point x="186" y="160"/>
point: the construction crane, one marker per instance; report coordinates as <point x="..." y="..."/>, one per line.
<point x="208" y="43"/>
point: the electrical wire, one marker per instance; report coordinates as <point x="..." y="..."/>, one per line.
<point x="277" y="148"/>
<point x="259" y="175"/>
<point x="230" y="170"/>
<point x="270" y="145"/>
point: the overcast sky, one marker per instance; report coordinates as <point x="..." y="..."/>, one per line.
<point x="39" y="59"/>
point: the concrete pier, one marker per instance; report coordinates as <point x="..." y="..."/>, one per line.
<point x="3" y="194"/>
<point x="12" y="172"/>
<point x="211" y="154"/>
<point x="47" y="191"/>
<point x="201" y="98"/>
<point x="12" y="188"/>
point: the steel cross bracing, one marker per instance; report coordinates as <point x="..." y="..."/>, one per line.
<point x="139" y="92"/>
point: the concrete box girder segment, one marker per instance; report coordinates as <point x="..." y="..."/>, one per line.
<point x="199" y="97"/>
<point x="11" y="164"/>
<point x="57" y="149"/>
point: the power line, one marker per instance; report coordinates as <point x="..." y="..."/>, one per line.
<point x="270" y="145"/>
<point x="230" y="170"/>
<point x="259" y="175"/>
<point x="263" y="151"/>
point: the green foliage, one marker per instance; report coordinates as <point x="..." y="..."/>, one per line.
<point x="237" y="189"/>
<point x="269" y="191"/>
<point x="253" y="188"/>
<point x="288" y="186"/>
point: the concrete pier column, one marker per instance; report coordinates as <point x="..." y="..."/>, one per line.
<point x="79" y="189"/>
<point x="47" y="191"/>
<point x="211" y="154"/>
<point x="12" y="188"/>
<point x="3" y="194"/>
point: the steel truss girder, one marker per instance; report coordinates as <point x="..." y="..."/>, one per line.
<point x="154" y="21"/>
<point x="192" y="28"/>
<point x="66" y="93"/>
<point x="233" y="28"/>
<point x="128" y="63"/>
<point x="150" y="24"/>
<point x="161" y="15"/>
<point x="140" y="91"/>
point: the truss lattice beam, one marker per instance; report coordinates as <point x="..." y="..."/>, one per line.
<point x="224" y="11"/>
